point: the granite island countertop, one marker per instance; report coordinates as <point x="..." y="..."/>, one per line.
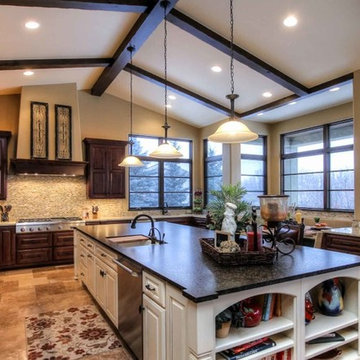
<point x="344" y="231"/>
<point x="182" y="263"/>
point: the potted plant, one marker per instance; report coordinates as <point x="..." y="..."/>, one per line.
<point x="223" y="323"/>
<point x="216" y="207"/>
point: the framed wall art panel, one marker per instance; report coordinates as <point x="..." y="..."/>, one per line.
<point x="39" y="141"/>
<point x="63" y="132"/>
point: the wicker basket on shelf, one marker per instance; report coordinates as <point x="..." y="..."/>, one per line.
<point x="266" y="256"/>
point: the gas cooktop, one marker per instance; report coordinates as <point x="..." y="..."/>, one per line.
<point x="48" y="224"/>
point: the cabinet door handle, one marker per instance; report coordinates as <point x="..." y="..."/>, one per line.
<point x="102" y="273"/>
<point x="149" y="287"/>
<point x="82" y="255"/>
<point x="82" y="274"/>
<point x="89" y="256"/>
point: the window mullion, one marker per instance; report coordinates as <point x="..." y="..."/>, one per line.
<point x="326" y="168"/>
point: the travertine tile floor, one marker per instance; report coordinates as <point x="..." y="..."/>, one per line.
<point x="33" y="291"/>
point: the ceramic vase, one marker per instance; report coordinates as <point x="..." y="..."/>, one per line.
<point x="330" y="299"/>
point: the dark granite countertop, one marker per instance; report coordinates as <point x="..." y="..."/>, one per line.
<point x="182" y="263"/>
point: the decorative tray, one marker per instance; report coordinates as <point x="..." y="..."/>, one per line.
<point x="266" y="256"/>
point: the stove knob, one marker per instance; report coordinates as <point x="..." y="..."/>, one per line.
<point x="22" y="229"/>
<point x="59" y="227"/>
<point x="31" y="229"/>
<point x="39" y="228"/>
<point x="47" y="228"/>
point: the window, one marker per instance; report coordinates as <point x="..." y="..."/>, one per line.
<point x="253" y="169"/>
<point x="212" y="168"/>
<point x="160" y="182"/>
<point x="318" y="167"/>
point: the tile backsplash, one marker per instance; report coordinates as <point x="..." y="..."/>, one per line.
<point x="47" y="196"/>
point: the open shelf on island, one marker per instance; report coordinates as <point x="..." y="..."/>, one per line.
<point x="349" y="353"/>
<point x="349" y="334"/>
<point x="323" y="324"/>
<point x="282" y="343"/>
<point x="244" y="335"/>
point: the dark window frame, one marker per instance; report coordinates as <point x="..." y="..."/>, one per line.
<point x="263" y="158"/>
<point x="205" y="162"/>
<point x="326" y="151"/>
<point x="161" y="175"/>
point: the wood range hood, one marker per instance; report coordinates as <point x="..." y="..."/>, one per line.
<point x="48" y="167"/>
<point x="50" y="95"/>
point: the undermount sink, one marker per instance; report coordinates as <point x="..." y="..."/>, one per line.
<point x="130" y="240"/>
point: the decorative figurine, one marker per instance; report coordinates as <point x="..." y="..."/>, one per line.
<point x="5" y="212"/>
<point x="223" y="323"/>
<point x="229" y="223"/>
<point x="309" y="309"/>
<point x="330" y="299"/>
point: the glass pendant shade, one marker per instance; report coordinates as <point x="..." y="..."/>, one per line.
<point x="131" y="161"/>
<point x="232" y="132"/>
<point x="166" y="151"/>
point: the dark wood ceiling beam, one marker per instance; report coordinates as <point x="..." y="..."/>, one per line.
<point x="220" y="43"/>
<point x="53" y="63"/>
<point x="137" y="6"/>
<point x="146" y="75"/>
<point x="140" y="32"/>
<point x="315" y="90"/>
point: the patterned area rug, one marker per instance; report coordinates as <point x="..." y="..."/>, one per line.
<point x="69" y="334"/>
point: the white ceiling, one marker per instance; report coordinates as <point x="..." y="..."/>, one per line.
<point x="323" y="46"/>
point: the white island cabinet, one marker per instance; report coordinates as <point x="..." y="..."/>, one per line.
<point x="183" y="291"/>
<point x="189" y="332"/>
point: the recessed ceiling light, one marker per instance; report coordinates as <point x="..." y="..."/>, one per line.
<point x="172" y="97"/>
<point x="28" y="73"/>
<point x="216" y="68"/>
<point x="260" y="114"/>
<point x="267" y="94"/>
<point x="334" y="89"/>
<point x="290" y="21"/>
<point x="292" y="103"/>
<point x="168" y="106"/>
<point x="32" y="25"/>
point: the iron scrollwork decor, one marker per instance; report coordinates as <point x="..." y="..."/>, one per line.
<point x="39" y="130"/>
<point x="63" y="132"/>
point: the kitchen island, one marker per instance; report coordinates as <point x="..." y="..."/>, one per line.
<point x="187" y="290"/>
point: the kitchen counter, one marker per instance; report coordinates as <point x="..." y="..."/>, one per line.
<point x="181" y="262"/>
<point x="344" y="231"/>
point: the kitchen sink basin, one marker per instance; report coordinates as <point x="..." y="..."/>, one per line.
<point x="130" y="240"/>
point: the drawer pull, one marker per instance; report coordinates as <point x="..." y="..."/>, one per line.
<point x="82" y="274"/>
<point x="82" y="255"/>
<point x="89" y="256"/>
<point x="102" y="273"/>
<point x="150" y="288"/>
<point x="89" y="246"/>
<point x="103" y="255"/>
<point x="82" y="240"/>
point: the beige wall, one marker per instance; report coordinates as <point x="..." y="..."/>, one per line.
<point x="333" y="114"/>
<point x="62" y="94"/>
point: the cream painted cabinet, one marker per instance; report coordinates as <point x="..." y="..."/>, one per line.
<point x="153" y="330"/>
<point x="94" y="266"/>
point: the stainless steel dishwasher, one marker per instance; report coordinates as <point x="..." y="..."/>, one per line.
<point x="130" y="305"/>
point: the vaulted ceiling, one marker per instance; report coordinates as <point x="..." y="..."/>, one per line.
<point x="85" y="42"/>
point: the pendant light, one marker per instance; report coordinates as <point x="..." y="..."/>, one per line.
<point x="130" y="160"/>
<point x="232" y="131"/>
<point x="165" y="150"/>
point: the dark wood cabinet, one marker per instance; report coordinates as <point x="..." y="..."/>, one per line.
<point x="342" y="243"/>
<point x="44" y="248"/>
<point x="4" y="139"/>
<point x="105" y="179"/>
<point x="7" y="246"/>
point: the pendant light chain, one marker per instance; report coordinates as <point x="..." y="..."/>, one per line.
<point x="166" y="126"/>
<point x="131" y="49"/>
<point x="232" y="47"/>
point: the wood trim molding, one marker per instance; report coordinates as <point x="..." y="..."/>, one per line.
<point x="136" y="6"/>
<point x="220" y="43"/>
<point x="139" y="33"/>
